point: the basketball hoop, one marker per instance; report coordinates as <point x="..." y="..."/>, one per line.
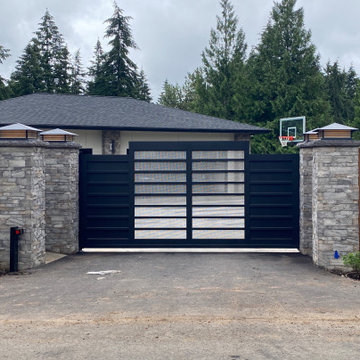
<point x="285" y="139"/>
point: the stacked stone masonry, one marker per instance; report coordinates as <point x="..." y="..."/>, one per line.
<point x="329" y="179"/>
<point x="34" y="194"/>
<point x="61" y="192"/>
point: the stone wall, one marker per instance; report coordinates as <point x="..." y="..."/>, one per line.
<point x="22" y="201"/>
<point x="306" y="229"/>
<point x="62" y="211"/>
<point x="38" y="192"/>
<point x="334" y="170"/>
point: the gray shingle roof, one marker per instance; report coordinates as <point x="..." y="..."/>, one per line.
<point x="100" y="112"/>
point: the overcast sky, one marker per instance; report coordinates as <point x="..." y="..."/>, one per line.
<point x="171" y="34"/>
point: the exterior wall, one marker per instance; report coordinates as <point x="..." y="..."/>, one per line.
<point x="22" y="201"/>
<point x="62" y="209"/>
<point x="101" y="140"/>
<point x="127" y="136"/>
<point x="334" y="200"/>
<point x="306" y="229"/>
<point x="111" y="142"/>
<point x="92" y="139"/>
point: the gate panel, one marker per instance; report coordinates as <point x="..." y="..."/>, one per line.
<point x="189" y="193"/>
<point x="104" y="201"/>
<point x="273" y="200"/>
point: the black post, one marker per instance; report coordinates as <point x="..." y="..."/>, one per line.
<point x="14" y="249"/>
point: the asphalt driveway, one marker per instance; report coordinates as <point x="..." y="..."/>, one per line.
<point x="179" y="306"/>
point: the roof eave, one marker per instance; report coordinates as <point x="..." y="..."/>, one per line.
<point x="155" y="129"/>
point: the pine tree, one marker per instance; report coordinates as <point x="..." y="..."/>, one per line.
<point x="4" y="53"/>
<point x="223" y="63"/>
<point x="97" y="84"/>
<point x="142" y="88"/>
<point x="77" y="75"/>
<point x="119" y="70"/>
<point x="45" y="63"/>
<point x="171" y="95"/>
<point x="285" y="75"/>
<point x="28" y="75"/>
<point x="114" y="73"/>
<point x="4" y="89"/>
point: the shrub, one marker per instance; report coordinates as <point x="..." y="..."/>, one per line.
<point x="353" y="260"/>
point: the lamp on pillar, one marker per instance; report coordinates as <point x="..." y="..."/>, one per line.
<point x="18" y="132"/>
<point x="311" y="135"/>
<point x="336" y="131"/>
<point x="57" y="135"/>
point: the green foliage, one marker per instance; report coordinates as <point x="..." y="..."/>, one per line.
<point x="285" y="73"/>
<point x="45" y="63"/>
<point x="5" y="91"/>
<point x="171" y="95"/>
<point x="341" y="88"/>
<point x="28" y="76"/>
<point x="77" y="75"/>
<point x="281" y="77"/>
<point x="97" y="84"/>
<point x="4" y="53"/>
<point x="113" y="73"/>
<point x="352" y="260"/>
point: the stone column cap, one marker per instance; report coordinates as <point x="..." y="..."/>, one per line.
<point x="38" y="143"/>
<point x="329" y="143"/>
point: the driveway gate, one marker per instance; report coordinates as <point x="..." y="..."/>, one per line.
<point x="189" y="194"/>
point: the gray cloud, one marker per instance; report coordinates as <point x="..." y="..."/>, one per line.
<point x="171" y="34"/>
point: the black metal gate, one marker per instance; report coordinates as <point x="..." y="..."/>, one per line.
<point x="189" y="194"/>
<point x="104" y="201"/>
<point x="273" y="201"/>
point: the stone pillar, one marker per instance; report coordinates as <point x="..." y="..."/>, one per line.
<point x="111" y="138"/>
<point x="22" y="201"/>
<point x="334" y="198"/>
<point x="306" y="159"/>
<point x="62" y="192"/>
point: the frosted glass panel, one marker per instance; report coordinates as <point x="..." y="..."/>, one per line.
<point x="160" y="177"/>
<point x="160" y="211"/>
<point x="219" y="154"/>
<point x="160" y="234"/>
<point x="218" y="234"/>
<point x="220" y="177"/>
<point x="218" y="165"/>
<point x="218" y="223"/>
<point x="160" y="165"/>
<point x="218" y="200"/>
<point x="218" y="211"/>
<point x="218" y="188"/>
<point x="159" y="155"/>
<point x="160" y="189"/>
<point x="160" y="223"/>
<point x="160" y="200"/>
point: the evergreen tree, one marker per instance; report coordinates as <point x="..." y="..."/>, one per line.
<point x="4" y="89"/>
<point x="114" y="73"/>
<point x="142" y="87"/>
<point x="45" y="63"/>
<point x="4" y="53"/>
<point x="77" y="75"/>
<point x="285" y="75"/>
<point x="28" y="75"/>
<point x="119" y="70"/>
<point x="171" y="95"/>
<point x="223" y="65"/>
<point x="97" y="84"/>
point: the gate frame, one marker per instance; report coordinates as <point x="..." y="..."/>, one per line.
<point x="187" y="146"/>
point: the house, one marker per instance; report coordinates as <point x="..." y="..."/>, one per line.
<point x="108" y="124"/>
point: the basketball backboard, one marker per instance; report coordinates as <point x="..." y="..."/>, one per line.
<point x="292" y="129"/>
